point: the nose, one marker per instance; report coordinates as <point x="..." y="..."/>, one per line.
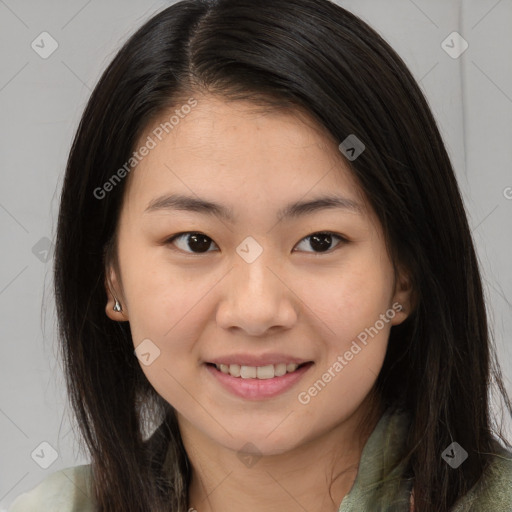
<point x="257" y="298"/>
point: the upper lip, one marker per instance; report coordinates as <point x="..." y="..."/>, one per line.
<point x="257" y="360"/>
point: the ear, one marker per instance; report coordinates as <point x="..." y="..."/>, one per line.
<point x="112" y="288"/>
<point x="404" y="298"/>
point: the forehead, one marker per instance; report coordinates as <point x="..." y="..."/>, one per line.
<point x="239" y="149"/>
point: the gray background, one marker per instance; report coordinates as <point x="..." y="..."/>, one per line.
<point x="41" y="101"/>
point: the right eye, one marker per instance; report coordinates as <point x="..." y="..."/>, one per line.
<point x="192" y="241"/>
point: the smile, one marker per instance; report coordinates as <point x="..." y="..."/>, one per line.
<point x="258" y="372"/>
<point x="257" y="382"/>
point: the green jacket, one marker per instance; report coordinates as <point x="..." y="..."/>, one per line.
<point x="67" y="490"/>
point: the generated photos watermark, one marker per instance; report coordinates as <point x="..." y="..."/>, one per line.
<point x="304" y="397"/>
<point x="137" y="156"/>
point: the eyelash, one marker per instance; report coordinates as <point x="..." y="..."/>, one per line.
<point x="342" y="240"/>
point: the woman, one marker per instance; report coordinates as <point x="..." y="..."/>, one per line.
<point x="267" y="289"/>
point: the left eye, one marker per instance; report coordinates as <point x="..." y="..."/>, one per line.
<point x="320" y="241"/>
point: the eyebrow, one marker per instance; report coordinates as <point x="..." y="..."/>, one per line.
<point x="292" y="210"/>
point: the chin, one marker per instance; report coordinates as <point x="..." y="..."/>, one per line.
<point x="258" y="444"/>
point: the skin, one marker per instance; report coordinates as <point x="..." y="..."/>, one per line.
<point x="293" y="299"/>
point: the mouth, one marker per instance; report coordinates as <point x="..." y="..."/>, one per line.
<point x="269" y="371"/>
<point x="257" y="382"/>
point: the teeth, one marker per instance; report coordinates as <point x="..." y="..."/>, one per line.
<point x="234" y="370"/>
<point x="265" y="372"/>
<point x="279" y="369"/>
<point x="248" y="372"/>
<point x="257" y="372"/>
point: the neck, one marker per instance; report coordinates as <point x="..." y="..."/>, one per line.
<point x="314" y="476"/>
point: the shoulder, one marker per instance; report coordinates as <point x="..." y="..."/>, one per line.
<point x="494" y="490"/>
<point x="67" y="490"/>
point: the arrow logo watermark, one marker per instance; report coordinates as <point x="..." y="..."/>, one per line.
<point x="44" y="455"/>
<point x="249" y="455"/>
<point x="44" y="45"/>
<point x="454" y="45"/>
<point x="147" y="352"/>
<point x="352" y="147"/>
<point x="454" y="455"/>
<point x="43" y="249"/>
<point x="249" y="249"/>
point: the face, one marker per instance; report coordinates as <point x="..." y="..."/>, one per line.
<point x="312" y="286"/>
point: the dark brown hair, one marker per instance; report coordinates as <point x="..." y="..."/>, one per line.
<point x="314" y="55"/>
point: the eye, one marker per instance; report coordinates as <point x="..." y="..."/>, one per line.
<point x="322" y="240"/>
<point x="197" y="243"/>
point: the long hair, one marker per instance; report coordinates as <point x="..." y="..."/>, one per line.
<point x="316" y="56"/>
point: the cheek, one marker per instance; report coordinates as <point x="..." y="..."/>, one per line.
<point x="166" y="316"/>
<point x="171" y="308"/>
<point x="158" y="295"/>
<point x="353" y="307"/>
<point x="353" y="300"/>
<point x="335" y="394"/>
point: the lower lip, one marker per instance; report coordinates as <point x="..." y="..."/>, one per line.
<point x="257" y="389"/>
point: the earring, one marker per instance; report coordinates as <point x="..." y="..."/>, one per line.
<point x="117" y="306"/>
